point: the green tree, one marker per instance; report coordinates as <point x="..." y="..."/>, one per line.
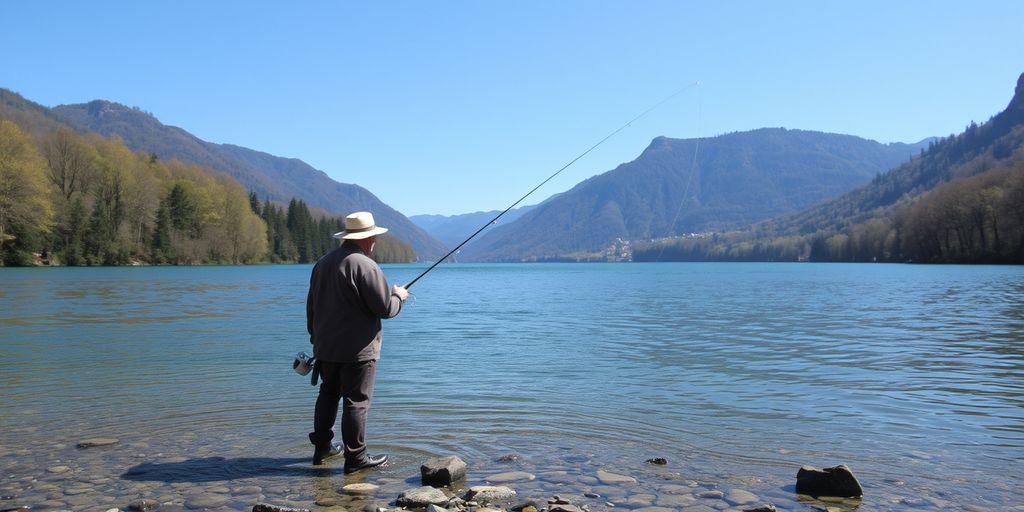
<point x="24" y="195"/>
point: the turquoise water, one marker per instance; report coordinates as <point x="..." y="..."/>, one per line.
<point x="737" y="374"/>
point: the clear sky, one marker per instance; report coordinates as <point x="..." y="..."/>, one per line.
<point x="454" y="107"/>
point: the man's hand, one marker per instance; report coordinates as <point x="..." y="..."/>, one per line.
<point x="401" y="292"/>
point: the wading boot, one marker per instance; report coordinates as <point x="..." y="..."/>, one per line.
<point x="370" y="462"/>
<point x="321" y="453"/>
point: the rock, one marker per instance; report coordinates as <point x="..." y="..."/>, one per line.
<point x="489" y="493"/>
<point x="99" y="441"/>
<point x="564" y="508"/>
<point x="764" y="508"/>
<point x="435" y="508"/>
<point x="360" y="489"/>
<point x="17" y="509"/>
<point x="329" y="501"/>
<point x="421" y="497"/>
<point x="712" y="495"/>
<point x="837" y="481"/>
<point x="510" y="476"/>
<point x="58" y="469"/>
<point x="265" y="507"/>
<point x="201" y="501"/>
<point x="524" y="506"/>
<point x="607" y="478"/>
<point x="442" y="471"/>
<point x="658" y="461"/>
<point x="740" y="497"/>
<point x="511" y="457"/>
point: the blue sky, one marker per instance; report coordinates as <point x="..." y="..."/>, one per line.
<point x="454" y="107"/>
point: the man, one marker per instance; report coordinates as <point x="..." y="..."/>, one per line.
<point x="348" y="297"/>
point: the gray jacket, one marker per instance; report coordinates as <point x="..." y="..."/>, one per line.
<point x="348" y="297"/>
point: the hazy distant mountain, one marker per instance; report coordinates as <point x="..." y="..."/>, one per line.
<point x="451" y="230"/>
<point x="270" y="176"/>
<point x="694" y="185"/>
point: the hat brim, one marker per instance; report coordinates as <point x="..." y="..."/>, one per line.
<point x="359" y="235"/>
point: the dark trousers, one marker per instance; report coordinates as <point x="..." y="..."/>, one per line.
<point x="353" y="383"/>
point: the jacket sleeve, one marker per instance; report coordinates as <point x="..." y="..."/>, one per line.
<point x="376" y="293"/>
<point x="310" y="309"/>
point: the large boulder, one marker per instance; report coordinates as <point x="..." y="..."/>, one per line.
<point x="442" y="471"/>
<point x="838" y="481"/>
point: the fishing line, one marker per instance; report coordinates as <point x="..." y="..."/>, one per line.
<point x="686" y="190"/>
<point x="564" y="167"/>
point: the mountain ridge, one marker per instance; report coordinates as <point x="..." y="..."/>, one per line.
<point x="729" y="181"/>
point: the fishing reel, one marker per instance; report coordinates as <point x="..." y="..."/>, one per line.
<point x="303" y="363"/>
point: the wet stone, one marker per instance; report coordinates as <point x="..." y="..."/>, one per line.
<point x="653" y="509"/>
<point x="711" y="495"/>
<point x="675" y="489"/>
<point x="564" y="507"/>
<point x="657" y="461"/>
<point x="98" y="441"/>
<point x="266" y="507"/>
<point x="328" y="502"/>
<point x="489" y="493"/>
<point x="764" y="508"/>
<point x="511" y="457"/>
<point x="442" y="471"/>
<point x="77" y="490"/>
<point x="247" y="490"/>
<point x="360" y="489"/>
<point x="675" y="500"/>
<point x="16" y="509"/>
<point x="58" y="469"/>
<point x="421" y="497"/>
<point x="143" y="505"/>
<point x="608" y="478"/>
<point x="435" y="508"/>
<point x="741" y="497"/>
<point x="511" y="476"/>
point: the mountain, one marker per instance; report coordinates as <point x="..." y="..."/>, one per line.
<point x="681" y="186"/>
<point x="959" y="201"/>
<point x="451" y="230"/>
<point x="270" y="177"/>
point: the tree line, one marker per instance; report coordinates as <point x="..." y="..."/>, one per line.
<point x="80" y="199"/>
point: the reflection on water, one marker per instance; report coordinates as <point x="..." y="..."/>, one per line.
<point x="737" y="374"/>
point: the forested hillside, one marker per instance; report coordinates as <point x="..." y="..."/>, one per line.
<point x="70" y="198"/>
<point x="273" y="177"/>
<point x="961" y="200"/>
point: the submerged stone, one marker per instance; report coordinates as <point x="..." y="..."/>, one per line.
<point x="836" y="481"/>
<point x="510" y="476"/>
<point x="608" y="478"/>
<point x="266" y="507"/>
<point x="99" y="441"/>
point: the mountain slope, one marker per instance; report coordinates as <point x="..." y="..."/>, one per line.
<point x="276" y="178"/>
<point x="972" y="152"/>
<point x="451" y="230"/>
<point x="680" y="186"/>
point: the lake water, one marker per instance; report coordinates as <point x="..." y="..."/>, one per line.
<point x="736" y="374"/>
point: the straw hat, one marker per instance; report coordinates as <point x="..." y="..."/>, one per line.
<point x="360" y="225"/>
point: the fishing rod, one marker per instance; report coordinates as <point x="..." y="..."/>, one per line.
<point x="564" y="167"/>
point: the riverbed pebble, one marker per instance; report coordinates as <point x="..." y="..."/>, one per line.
<point x="421" y="497"/>
<point x="609" y="478"/>
<point x="511" y="476"/>
<point x="360" y="488"/>
<point x="489" y="493"/>
<point x="740" y="497"/>
<point x="98" y="441"/>
<point x="144" y="505"/>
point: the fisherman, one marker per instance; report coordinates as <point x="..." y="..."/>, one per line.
<point x="348" y="297"/>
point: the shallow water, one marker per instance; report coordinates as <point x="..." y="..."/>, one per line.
<point x="737" y="374"/>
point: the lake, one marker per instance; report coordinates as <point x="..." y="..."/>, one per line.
<point x="537" y="375"/>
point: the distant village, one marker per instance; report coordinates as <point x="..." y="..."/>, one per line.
<point x="621" y="250"/>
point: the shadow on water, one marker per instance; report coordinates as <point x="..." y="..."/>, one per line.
<point x="213" y="469"/>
